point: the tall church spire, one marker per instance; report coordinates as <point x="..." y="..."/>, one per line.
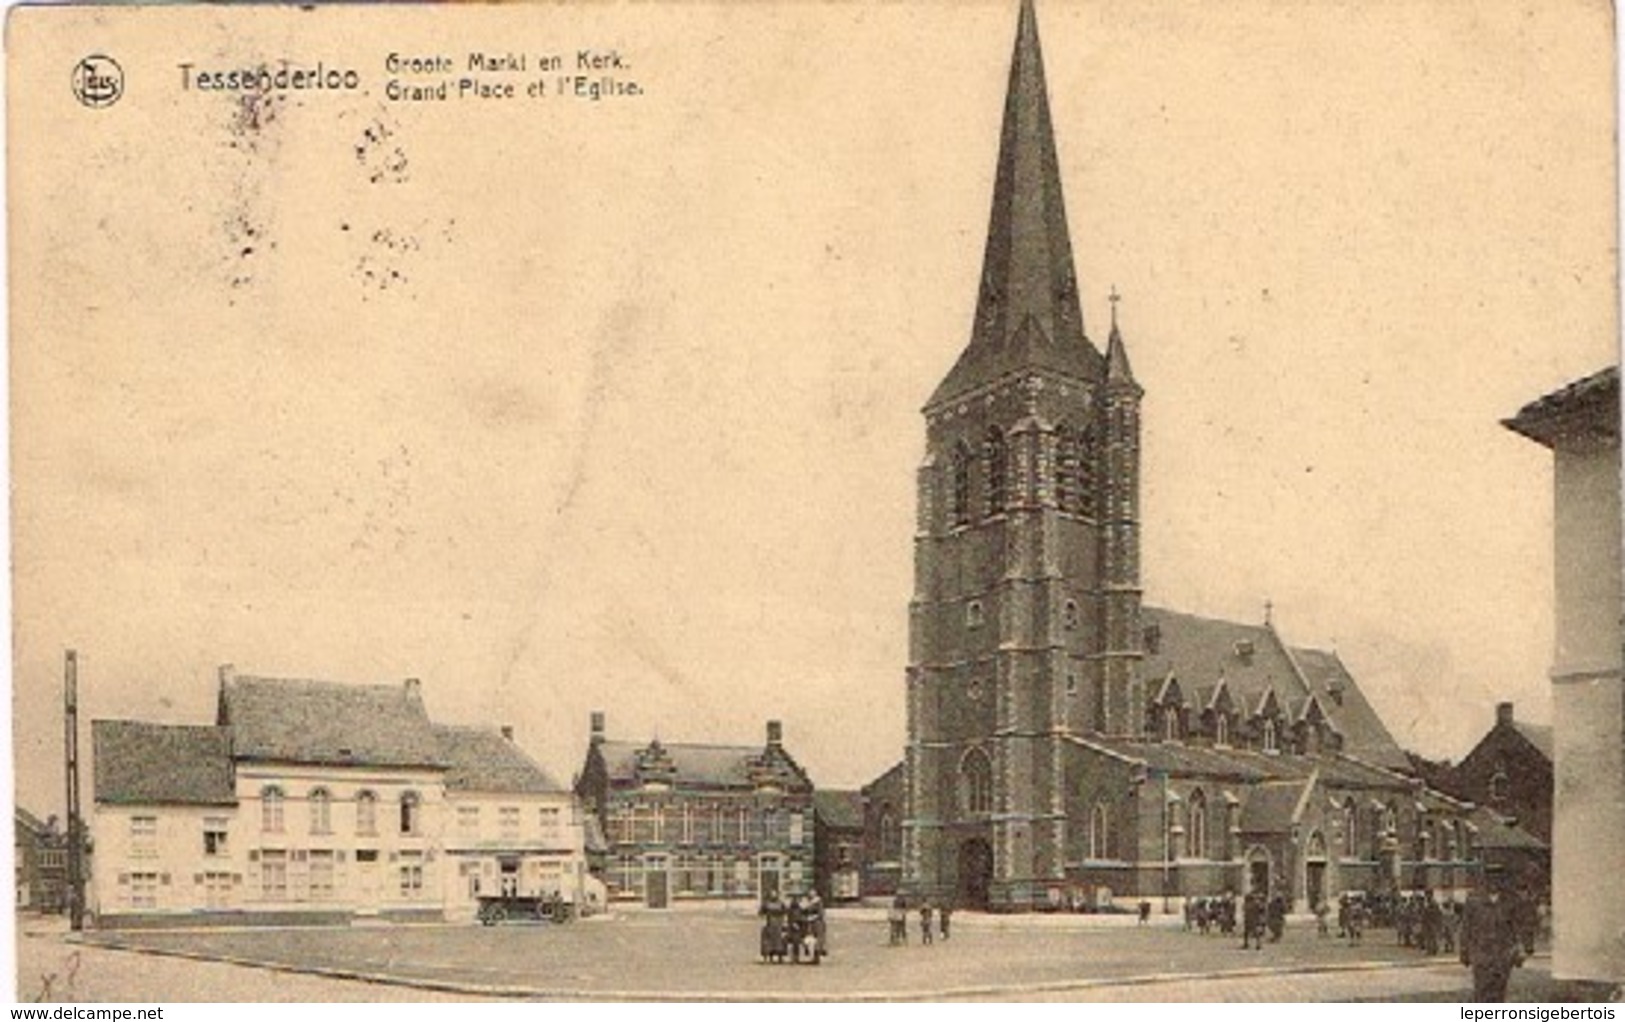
<point x="1027" y="312"/>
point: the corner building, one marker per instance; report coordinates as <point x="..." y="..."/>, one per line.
<point x="1031" y="779"/>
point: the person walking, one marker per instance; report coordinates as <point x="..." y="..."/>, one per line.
<point x="1275" y="917"/>
<point x="774" y="916"/>
<point x="1490" y="942"/>
<point x="925" y="922"/>
<point x="943" y="913"/>
<point x="1252" y="920"/>
<point x="897" y="916"/>
<point x="813" y="910"/>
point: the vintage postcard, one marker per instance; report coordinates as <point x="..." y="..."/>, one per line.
<point x="1018" y="500"/>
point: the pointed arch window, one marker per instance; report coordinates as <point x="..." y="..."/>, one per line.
<point x="976" y="782"/>
<point x="1068" y="466"/>
<point x="1196" y="833"/>
<point x="1351" y="829"/>
<point x="1170" y="723"/>
<point x="1098" y="833"/>
<point x="998" y="466"/>
<point x="1269" y="738"/>
<point x="1088" y="473"/>
<point x="1221" y="728"/>
<point x="411" y="811"/>
<point x="961" y="481"/>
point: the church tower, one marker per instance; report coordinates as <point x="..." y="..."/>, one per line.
<point x="1024" y="623"/>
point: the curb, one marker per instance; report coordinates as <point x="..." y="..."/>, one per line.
<point x="516" y="992"/>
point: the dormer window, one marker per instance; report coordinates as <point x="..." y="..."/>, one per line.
<point x="1244" y="650"/>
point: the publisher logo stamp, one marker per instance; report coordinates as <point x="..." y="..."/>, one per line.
<point x="98" y="81"/>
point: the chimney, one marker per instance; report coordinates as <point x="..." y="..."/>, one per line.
<point x="228" y="674"/>
<point x="1503" y="714"/>
<point x="507" y="731"/>
<point x="597" y="726"/>
<point x="775" y="734"/>
<point x="414" y="690"/>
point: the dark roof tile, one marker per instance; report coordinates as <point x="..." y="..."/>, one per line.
<point x="136" y="763"/>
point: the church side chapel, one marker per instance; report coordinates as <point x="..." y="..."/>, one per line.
<point x="1068" y="745"/>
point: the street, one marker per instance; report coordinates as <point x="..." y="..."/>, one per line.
<point x="711" y="955"/>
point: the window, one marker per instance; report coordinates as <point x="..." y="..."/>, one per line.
<point x="1070" y="616"/>
<point x="411" y="873"/>
<point x="321" y="876"/>
<point x="508" y="822"/>
<point x="274" y="875"/>
<point x="1269" y="734"/>
<point x="321" y="812"/>
<point x="366" y="813"/>
<point x="688" y="824"/>
<point x="143" y="837"/>
<point x="1097" y="832"/>
<point x="961" y="498"/>
<point x="143" y="890"/>
<point x="411" y="810"/>
<point x="217" y="889"/>
<point x="1500" y="785"/>
<point x="798" y="829"/>
<point x="271" y="810"/>
<point x="998" y="461"/>
<point x="1196" y="836"/>
<point x="1170" y="723"/>
<point x="744" y="826"/>
<point x="1068" y="454"/>
<point x="214" y="835"/>
<point x="1071" y="683"/>
<point x="891" y="843"/>
<point x="468" y="822"/>
<point x="976" y="782"/>
<point x="974" y="615"/>
<point x="1351" y="829"/>
<point x="548" y="823"/>
<point x="1087" y="457"/>
<point x="660" y="824"/>
<point x="1221" y="729"/>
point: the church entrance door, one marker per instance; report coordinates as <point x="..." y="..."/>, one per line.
<point x="975" y="872"/>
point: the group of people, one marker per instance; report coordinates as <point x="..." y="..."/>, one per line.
<point x="897" y="920"/>
<point x="794" y="931"/>
<point x="1260" y="914"/>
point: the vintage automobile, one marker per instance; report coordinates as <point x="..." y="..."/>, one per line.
<point x="550" y="907"/>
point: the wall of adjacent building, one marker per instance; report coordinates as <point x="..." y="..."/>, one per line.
<point x="541" y="837"/>
<point x="1589" y="721"/>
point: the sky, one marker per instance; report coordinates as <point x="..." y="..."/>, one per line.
<point x="564" y="405"/>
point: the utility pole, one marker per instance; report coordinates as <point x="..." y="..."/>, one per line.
<point x="76" y="866"/>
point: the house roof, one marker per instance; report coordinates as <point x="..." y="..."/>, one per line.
<point x="1496" y="831"/>
<point x="330" y="723"/>
<point x="27" y="821"/>
<point x="842" y="810"/>
<point x="1255" y="664"/>
<point x="697" y="764"/>
<point x="1272" y="807"/>
<point x="1538" y="735"/>
<point x="483" y="759"/>
<point x="1247" y="765"/>
<point x="136" y="763"/>
<point x="1584" y="411"/>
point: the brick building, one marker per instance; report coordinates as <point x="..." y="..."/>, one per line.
<point x="1510" y="772"/>
<point x="1064" y="741"/>
<point x="40" y="858"/>
<point x="838" y="845"/>
<point x="690" y="821"/>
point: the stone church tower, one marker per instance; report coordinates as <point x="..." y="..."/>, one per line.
<point x="1024" y="623"/>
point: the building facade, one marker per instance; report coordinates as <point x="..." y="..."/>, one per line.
<point x="1510" y="772"/>
<point x="686" y="821"/>
<point x="317" y="802"/>
<point x="1065" y="741"/>
<point x="838" y="845"/>
<point x="1580" y="425"/>
<point x="40" y="851"/>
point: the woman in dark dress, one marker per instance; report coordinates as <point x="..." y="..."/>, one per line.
<point x="774" y="915"/>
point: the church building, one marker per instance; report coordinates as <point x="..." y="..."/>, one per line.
<point x="1067" y="744"/>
